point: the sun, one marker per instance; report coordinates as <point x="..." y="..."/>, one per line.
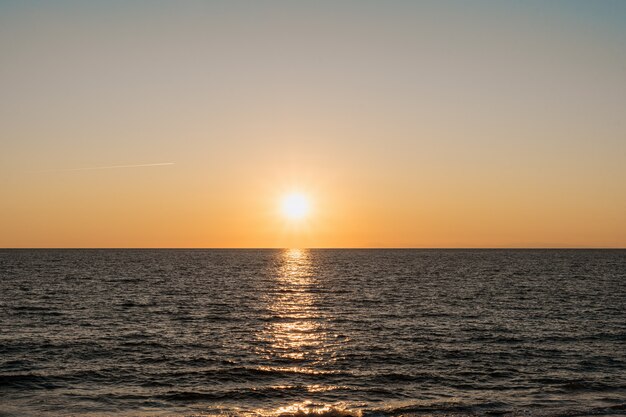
<point x="295" y="206"/>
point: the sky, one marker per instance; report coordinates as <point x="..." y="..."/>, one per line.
<point x="405" y="124"/>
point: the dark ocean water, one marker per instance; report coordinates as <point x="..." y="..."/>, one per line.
<point x="269" y="332"/>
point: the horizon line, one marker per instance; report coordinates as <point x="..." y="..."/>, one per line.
<point x="317" y="248"/>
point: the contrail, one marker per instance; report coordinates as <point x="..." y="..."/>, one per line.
<point x="157" y="164"/>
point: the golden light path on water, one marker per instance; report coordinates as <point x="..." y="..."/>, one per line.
<point x="297" y="334"/>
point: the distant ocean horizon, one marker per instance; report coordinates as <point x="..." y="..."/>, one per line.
<point x="329" y="332"/>
<point x="317" y="248"/>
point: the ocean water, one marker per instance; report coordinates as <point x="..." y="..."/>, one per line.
<point x="328" y="332"/>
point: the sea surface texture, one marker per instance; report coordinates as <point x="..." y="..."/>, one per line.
<point x="330" y="332"/>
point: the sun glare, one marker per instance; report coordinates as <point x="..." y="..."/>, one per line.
<point x="295" y="206"/>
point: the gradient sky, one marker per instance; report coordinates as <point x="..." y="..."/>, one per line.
<point x="408" y="124"/>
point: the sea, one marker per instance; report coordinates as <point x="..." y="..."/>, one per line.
<point x="299" y="332"/>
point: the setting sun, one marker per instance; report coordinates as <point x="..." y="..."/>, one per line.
<point x="295" y="206"/>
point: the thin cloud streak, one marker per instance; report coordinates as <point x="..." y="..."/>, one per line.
<point x="157" y="164"/>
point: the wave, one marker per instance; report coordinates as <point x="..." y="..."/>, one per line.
<point x="256" y="394"/>
<point x="440" y="408"/>
<point x="311" y="409"/>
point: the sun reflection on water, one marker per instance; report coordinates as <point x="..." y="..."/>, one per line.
<point x="309" y="408"/>
<point x="297" y="338"/>
<point x="296" y="330"/>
